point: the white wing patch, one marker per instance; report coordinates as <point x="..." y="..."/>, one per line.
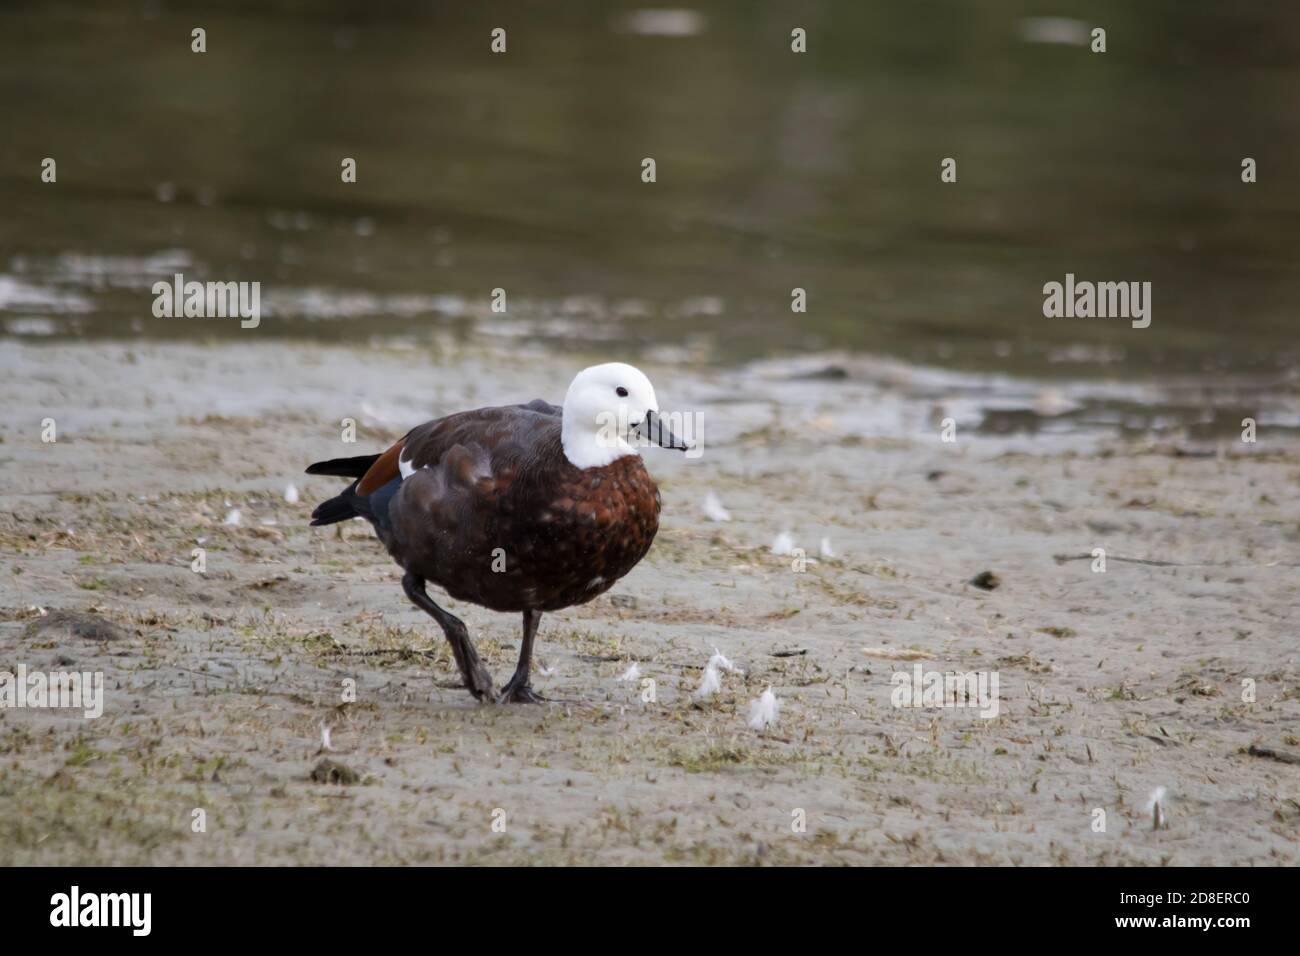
<point x="404" y="467"/>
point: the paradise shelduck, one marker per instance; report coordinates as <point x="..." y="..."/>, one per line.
<point x="526" y="508"/>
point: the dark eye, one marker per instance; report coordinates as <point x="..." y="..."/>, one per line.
<point x="622" y="392"/>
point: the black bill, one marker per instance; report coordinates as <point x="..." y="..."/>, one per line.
<point x="653" y="428"/>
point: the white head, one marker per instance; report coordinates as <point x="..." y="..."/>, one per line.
<point x="604" y="406"/>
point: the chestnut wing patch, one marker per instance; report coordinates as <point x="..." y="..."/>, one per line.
<point x="384" y="470"/>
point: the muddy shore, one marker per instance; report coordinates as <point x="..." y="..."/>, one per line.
<point x="1112" y="684"/>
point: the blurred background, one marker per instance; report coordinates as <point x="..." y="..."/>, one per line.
<point x="775" y="170"/>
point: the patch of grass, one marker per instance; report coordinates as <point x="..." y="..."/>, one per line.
<point x="718" y="758"/>
<point x="82" y="754"/>
<point x="1059" y="631"/>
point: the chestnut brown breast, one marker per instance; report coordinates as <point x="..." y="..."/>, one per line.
<point x="495" y="514"/>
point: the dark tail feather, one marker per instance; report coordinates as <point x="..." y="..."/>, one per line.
<point x="343" y="467"/>
<point x="339" y="508"/>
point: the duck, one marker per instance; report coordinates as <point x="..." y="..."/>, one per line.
<point x="517" y="508"/>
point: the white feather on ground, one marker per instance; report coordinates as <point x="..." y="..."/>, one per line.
<point x="826" y="548"/>
<point x="713" y="509"/>
<point x="234" y="516"/>
<point x="783" y="544"/>
<point x="325" y="737"/>
<point x="719" y="661"/>
<point x="763" y="712"/>
<point x="632" y="673"/>
<point x="291" y="493"/>
<point x="711" y="683"/>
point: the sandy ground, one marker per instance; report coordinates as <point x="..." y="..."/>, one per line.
<point x="217" y="683"/>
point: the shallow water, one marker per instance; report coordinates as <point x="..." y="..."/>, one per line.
<point x="774" y="170"/>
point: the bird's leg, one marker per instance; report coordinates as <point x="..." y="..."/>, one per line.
<point x="518" y="691"/>
<point x="472" y="671"/>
